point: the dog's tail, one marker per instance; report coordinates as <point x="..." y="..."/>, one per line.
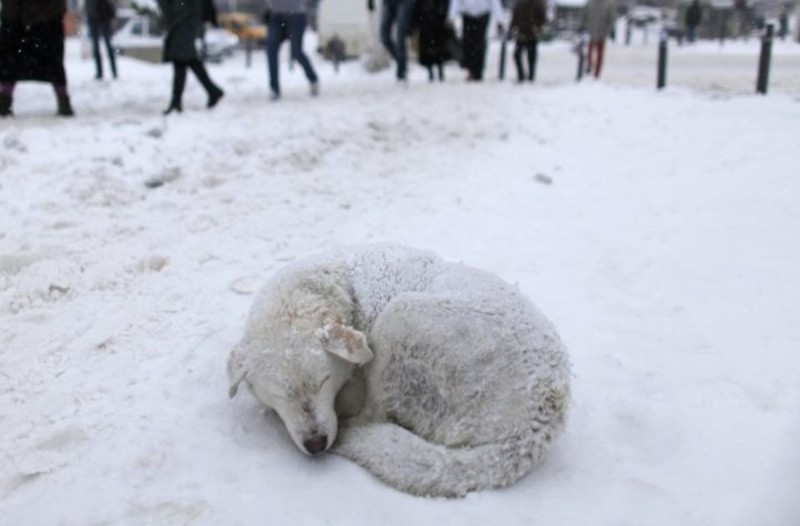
<point x="412" y="464"/>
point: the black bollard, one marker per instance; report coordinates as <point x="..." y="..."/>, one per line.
<point x="580" y="48"/>
<point x="248" y="51"/>
<point x="661" y="81"/>
<point x="764" y="60"/>
<point x="628" y="32"/>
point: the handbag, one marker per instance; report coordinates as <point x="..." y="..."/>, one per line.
<point x="453" y="48"/>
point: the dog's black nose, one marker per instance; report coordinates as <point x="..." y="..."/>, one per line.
<point x="316" y="444"/>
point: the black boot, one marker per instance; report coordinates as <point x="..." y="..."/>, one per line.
<point x="178" y="83"/>
<point x="173" y="106"/>
<point x="64" y="106"/>
<point x="214" y="96"/>
<point x="5" y="105"/>
<point x="214" y="92"/>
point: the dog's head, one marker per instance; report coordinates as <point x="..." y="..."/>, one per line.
<point x="297" y="370"/>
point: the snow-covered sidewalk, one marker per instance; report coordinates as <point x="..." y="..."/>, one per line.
<point x="659" y="232"/>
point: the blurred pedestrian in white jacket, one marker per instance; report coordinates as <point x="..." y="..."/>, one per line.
<point x="475" y="16"/>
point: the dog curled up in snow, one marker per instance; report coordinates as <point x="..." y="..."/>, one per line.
<point x="438" y="378"/>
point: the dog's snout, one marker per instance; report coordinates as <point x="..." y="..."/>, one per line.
<point x="316" y="444"/>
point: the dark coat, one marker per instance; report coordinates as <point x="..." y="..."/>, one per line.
<point x="527" y="19"/>
<point x="32" y="41"/>
<point x="183" y="20"/>
<point x="210" y="13"/>
<point x="33" y="12"/>
<point x="694" y="14"/>
<point x="430" y="17"/>
<point x="101" y="10"/>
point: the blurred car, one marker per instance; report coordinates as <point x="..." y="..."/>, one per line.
<point x="142" y="37"/>
<point x="245" y="26"/>
<point x="642" y="15"/>
<point x="218" y="43"/>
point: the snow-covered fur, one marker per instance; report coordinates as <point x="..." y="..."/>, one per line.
<point x="438" y="378"/>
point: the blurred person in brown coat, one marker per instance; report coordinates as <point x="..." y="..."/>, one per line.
<point x="598" y="20"/>
<point x="32" y="48"/>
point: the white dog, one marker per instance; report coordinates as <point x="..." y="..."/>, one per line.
<point x="438" y="378"/>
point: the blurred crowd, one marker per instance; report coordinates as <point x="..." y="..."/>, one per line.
<point x="32" y="39"/>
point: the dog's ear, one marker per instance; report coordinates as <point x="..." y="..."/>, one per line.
<point x="236" y="370"/>
<point x="346" y="343"/>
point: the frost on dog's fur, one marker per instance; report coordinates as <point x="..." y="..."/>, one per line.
<point x="438" y="378"/>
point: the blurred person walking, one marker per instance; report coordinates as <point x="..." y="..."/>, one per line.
<point x="100" y="15"/>
<point x="287" y="19"/>
<point x="783" y="22"/>
<point x="527" y="19"/>
<point x="184" y="21"/>
<point x="396" y="17"/>
<point x="598" y="19"/>
<point x="475" y="16"/>
<point x="430" y="17"/>
<point x="694" y="15"/>
<point x="32" y="48"/>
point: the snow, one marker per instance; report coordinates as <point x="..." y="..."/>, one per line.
<point x="658" y="231"/>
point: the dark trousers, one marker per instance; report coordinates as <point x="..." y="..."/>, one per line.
<point x="397" y="12"/>
<point x="529" y="47"/>
<point x="440" y="68"/>
<point x="179" y="79"/>
<point x="98" y="30"/>
<point x="474" y="45"/>
<point x="284" y="26"/>
<point x="691" y="34"/>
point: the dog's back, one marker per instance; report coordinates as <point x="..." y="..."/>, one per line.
<point x="471" y="380"/>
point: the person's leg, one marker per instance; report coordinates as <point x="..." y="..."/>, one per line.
<point x="518" y="61"/>
<point x="387" y="21"/>
<point x="590" y="56"/>
<point x="62" y="98"/>
<point x="58" y="74"/>
<point x="470" y="45"/>
<point x="105" y="31"/>
<point x="6" y="98"/>
<point x="404" y="13"/>
<point x="297" y="29"/>
<point x="95" y="36"/>
<point x="213" y="91"/>
<point x="533" y="55"/>
<point x="598" y="65"/>
<point x="440" y="65"/>
<point x="275" y="35"/>
<point x="480" y="60"/>
<point x="178" y="83"/>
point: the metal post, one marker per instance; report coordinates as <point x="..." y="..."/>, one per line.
<point x="581" y="50"/>
<point x="764" y="60"/>
<point x="661" y="81"/>
<point x="248" y="51"/>
<point x="628" y="32"/>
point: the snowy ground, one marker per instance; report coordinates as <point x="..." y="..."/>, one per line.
<point x="659" y="231"/>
